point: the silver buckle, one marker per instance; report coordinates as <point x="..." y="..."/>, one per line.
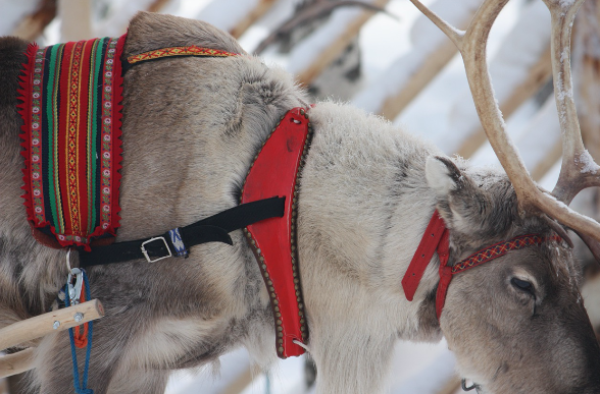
<point x="145" y="252"/>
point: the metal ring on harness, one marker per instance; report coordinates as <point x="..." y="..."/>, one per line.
<point x="69" y="259"/>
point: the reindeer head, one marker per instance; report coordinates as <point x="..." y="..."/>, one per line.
<point x="517" y="324"/>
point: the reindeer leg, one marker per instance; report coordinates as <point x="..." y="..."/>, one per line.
<point x="131" y="381"/>
<point x="348" y="363"/>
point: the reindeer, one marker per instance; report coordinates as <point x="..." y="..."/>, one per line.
<point x="191" y="128"/>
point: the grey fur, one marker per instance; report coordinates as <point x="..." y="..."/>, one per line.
<point x="191" y="128"/>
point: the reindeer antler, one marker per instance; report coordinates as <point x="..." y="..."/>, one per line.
<point x="578" y="169"/>
<point x="577" y="165"/>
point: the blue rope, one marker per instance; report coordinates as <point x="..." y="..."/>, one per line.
<point x="267" y="383"/>
<point x="83" y="388"/>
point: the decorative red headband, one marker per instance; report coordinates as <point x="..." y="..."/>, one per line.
<point x="436" y="238"/>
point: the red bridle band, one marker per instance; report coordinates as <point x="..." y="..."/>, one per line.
<point x="436" y="238"/>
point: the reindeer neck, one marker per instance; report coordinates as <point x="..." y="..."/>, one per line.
<point x="364" y="204"/>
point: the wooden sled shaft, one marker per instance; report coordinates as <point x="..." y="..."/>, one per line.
<point x="50" y="322"/>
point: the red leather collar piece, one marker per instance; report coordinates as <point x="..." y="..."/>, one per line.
<point x="436" y="238"/>
<point x="274" y="173"/>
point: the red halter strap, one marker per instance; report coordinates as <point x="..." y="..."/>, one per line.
<point x="433" y="238"/>
<point x="436" y="238"/>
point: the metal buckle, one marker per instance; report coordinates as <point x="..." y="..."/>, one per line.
<point x="145" y="252"/>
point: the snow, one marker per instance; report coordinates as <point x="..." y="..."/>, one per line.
<point x="549" y="180"/>
<point x="429" y="378"/>
<point x="115" y="24"/>
<point x="425" y="38"/>
<point x="306" y="52"/>
<point x="277" y="14"/>
<point x="236" y="11"/>
<point x="588" y="165"/>
<point x="540" y="135"/>
<point x="13" y="12"/>
<point x="566" y="3"/>
<point x="428" y="114"/>
<point x="521" y="49"/>
<point x="207" y="381"/>
<point x="457" y="13"/>
<point x="533" y="139"/>
<point x="189" y="8"/>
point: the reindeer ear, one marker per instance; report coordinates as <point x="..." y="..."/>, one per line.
<point x="442" y="175"/>
<point x="460" y="202"/>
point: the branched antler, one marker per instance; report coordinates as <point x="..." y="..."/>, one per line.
<point x="310" y="13"/>
<point x="578" y="170"/>
<point x="472" y="45"/>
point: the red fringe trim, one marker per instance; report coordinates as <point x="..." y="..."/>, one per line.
<point x="24" y="91"/>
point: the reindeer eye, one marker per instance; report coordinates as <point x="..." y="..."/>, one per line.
<point x="522" y="285"/>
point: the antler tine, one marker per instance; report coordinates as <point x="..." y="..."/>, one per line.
<point x="578" y="170"/>
<point x="454" y="34"/>
<point x="472" y="46"/>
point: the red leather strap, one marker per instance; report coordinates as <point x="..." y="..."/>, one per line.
<point x="443" y="250"/>
<point x="437" y="238"/>
<point x="427" y="247"/>
<point x="273" y="174"/>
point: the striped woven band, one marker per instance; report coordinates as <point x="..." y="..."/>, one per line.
<point x="71" y="96"/>
<point x="178" y="52"/>
<point x="483" y="256"/>
<point x="500" y="249"/>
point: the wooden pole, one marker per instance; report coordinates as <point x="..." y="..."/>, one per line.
<point x="33" y="25"/>
<point x="76" y="20"/>
<point x="16" y="363"/>
<point x="542" y="168"/>
<point x="158" y="5"/>
<point x="248" y="20"/>
<point x="50" y="322"/>
<point x="538" y="75"/>
<point x="333" y="51"/>
<point x="431" y="67"/>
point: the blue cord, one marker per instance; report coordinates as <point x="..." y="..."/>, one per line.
<point x="267" y="383"/>
<point x="81" y="389"/>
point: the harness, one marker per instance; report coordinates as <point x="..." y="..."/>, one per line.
<point x="90" y="83"/>
<point x="437" y="238"/>
<point x="71" y="100"/>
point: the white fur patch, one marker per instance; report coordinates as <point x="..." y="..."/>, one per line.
<point x="438" y="177"/>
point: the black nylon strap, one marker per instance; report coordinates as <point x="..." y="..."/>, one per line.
<point x="212" y="229"/>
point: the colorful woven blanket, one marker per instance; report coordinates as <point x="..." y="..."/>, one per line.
<point x="71" y="106"/>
